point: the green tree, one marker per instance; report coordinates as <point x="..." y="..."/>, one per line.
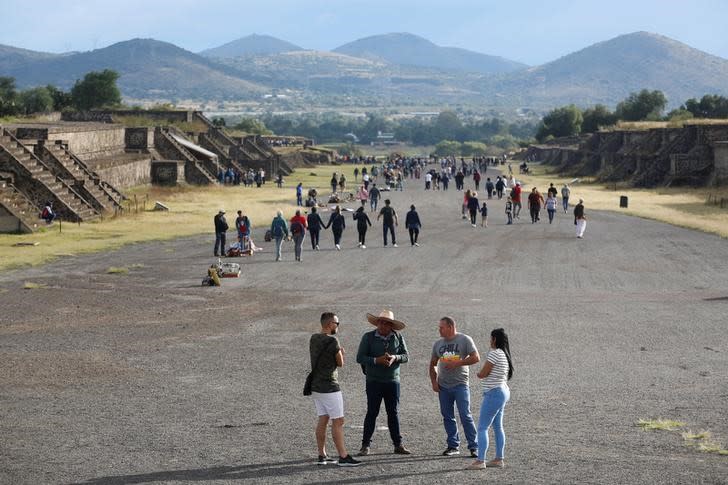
<point x="680" y="114"/>
<point x="252" y="126"/>
<point x="473" y="149"/>
<point x="8" y="96"/>
<point x="98" y="89"/>
<point x="219" y="122"/>
<point x="564" y="121"/>
<point x="36" y="100"/>
<point x="709" y="106"/>
<point x="448" y="127"/>
<point x="597" y="117"/>
<point x="61" y="99"/>
<point x="645" y="105"/>
<point x="448" y="147"/>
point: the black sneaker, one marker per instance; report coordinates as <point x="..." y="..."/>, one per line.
<point x="473" y="453"/>
<point x="325" y="460"/>
<point x="348" y="460"/>
<point x="450" y="452"/>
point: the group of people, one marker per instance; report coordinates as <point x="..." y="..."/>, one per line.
<point x="295" y="229"/>
<point x="381" y="353"/>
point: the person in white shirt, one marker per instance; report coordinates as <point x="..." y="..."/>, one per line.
<point x="496" y="372"/>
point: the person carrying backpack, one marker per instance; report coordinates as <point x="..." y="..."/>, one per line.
<point x="279" y="230"/>
<point x="298" y="232"/>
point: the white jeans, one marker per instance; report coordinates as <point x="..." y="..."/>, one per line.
<point x="580" y="227"/>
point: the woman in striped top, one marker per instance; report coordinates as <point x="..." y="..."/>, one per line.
<point x="496" y="372"/>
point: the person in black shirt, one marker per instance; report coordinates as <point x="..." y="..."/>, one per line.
<point x="413" y="224"/>
<point x="314" y="228"/>
<point x="221" y="227"/>
<point x="362" y="220"/>
<point x="390" y="220"/>
<point x="337" y="224"/>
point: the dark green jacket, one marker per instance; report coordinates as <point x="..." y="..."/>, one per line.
<point x="372" y="346"/>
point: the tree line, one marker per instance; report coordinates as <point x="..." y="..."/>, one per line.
<point x="645" y="105"/>
<point x="447" y="125"/>
<point x="95" y="90"/>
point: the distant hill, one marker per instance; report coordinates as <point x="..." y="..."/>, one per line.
<point x="252" y="45"/>
<point x="11" y="57"/>
<point x="609" y="71"/>
<point x="412" y="50"/>
<point x="149" y="69"/>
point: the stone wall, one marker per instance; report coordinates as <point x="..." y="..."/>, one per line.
<point x="107" y="116"/>
<point x="720" y="154"/>
<point x="168" y="172"/>
<point x="93" y="143"/>
<point x="9" y="223"/>
<point x="139" y="139"/>
<point x="137" y="172"/>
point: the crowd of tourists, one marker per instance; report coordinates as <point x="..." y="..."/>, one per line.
<point x="381" y="353"/>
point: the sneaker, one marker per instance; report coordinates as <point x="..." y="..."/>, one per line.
<point x="348" y="460"/>
<point x="359" y="244"/>
<point x="324" y="460"/>
<point x="416" y="244"/>
<point x="363" y="246"/>
<point x="473" y="453"/>
<point x="495" y="464"/>
<point x="476" y="465"/>
<point x="338" y="248"/>
<point x="450" y="452"/>
<point x="394" y="246"/>
<point x="317" y="247"/>
<point x="401" y="450"/>
<point x="474" y="225"/>
<point x="364" y="451"/>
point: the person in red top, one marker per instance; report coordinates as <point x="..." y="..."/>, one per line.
<point x="535" y="200"/>
<point x="298" y="228"/>
<point x="516" y="198"/>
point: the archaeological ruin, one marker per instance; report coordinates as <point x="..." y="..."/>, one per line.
<point x="82" y="162"/>
<point x="694" y="154"/>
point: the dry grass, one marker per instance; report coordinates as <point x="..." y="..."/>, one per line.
<point x="690" y="437"/>
<point x="29" y="285"/>
<point x="117" y="270"/>
<point x="191" y="212"/>
<point x="660" y="424"/>
<point x="684" y="207"/>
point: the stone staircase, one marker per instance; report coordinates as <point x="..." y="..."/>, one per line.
<point x="36" y="181"/>
<point x="22" y="208"/>
<point x="103" y="196"/>
<point x="169" y="148"/>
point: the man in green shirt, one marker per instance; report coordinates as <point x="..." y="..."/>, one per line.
<point x="381" y="352"/>
<point x="326" y="357"/>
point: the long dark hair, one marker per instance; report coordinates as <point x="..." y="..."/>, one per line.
<point x="501" y="342"/>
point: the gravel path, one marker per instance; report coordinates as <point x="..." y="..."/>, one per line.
<point x="147" y="377"/>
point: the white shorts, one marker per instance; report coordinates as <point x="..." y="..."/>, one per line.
<point x="329" y="404"/>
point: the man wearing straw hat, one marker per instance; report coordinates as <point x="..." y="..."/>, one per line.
<point x="380" y="354"/>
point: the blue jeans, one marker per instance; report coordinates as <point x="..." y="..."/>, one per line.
<point x="389" y="392"/>
<point x="565" y="203"/>
<point x="373" y="204"/>
<point x="491" y="413"/>
<point x="388" y="228"/>
<point x="279" y="241"/>
<point x="220" y="242"/>
<point x="460" y="396"/>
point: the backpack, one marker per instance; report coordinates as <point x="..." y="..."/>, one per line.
<point x="297" y="227"/>
<point x="513" y="193"/>
<point x="267" y="237"/>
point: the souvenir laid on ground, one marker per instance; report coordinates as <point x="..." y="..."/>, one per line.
<point x="230" y="270"/>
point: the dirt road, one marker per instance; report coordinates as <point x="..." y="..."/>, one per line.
<point x="147" y="377"/>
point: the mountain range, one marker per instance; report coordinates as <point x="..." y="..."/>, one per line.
<point x="382" y="71"/>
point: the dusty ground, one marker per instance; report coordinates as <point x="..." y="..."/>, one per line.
<point x="147" y="377"/>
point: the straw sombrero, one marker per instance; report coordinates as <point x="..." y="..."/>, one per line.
<point x="388" y="316"/>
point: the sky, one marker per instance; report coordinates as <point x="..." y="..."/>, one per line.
<point x="529" y="31"/>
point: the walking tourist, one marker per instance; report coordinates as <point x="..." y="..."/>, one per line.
<point x="565" y="193"/>
<point x="298" y="233"/>
<point x="551" y="206"/>
<point x="484" y="215"/>
<point x="362" y="223"/>
<point x="473" y="208"/>
<point x="509" y="211"/>
<point x="337" y="224"/>
<point x="390" y="220"/>
<point x="413" y="225"/>
<point x="449" y="375"/>
<point x="535" y="199"/>
<point x="278" y="230"/>
<point x="580" y="219"/>
<point x="315" y="224"/>
<point x="374" y="197"/>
